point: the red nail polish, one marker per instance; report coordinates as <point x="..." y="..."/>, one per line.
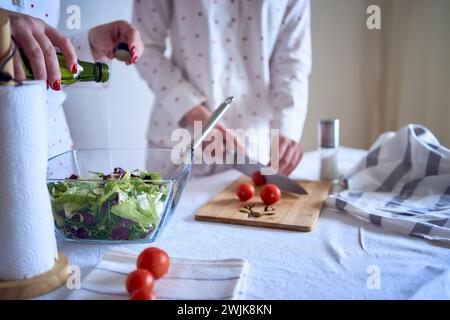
<point x="135" y="60"/>
<point x="133" y="50"/>
<point x="57" y="85"/>
<point x="75" y="69"/>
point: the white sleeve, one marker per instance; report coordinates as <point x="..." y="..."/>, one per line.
<point x="290" y="69"/>
<point x="80" y="42"/>
<point x="152" y="18"/>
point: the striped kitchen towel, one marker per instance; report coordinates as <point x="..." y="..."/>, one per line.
<point x="403" y="184"/>
<point x="186" y="280"/>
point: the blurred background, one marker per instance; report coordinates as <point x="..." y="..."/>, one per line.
<point x="372" y="80"/>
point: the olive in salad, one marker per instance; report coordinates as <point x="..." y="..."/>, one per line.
<point x="122" y="205"/>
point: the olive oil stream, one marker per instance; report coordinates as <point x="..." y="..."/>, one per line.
<point x="109" y="105"/>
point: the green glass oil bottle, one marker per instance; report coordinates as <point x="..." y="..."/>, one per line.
<point x="87" y="71"/>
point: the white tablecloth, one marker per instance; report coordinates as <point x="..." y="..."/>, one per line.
<point x="332" y="262"/>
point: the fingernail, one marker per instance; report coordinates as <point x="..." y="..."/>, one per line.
<point x="75" y="69"/>
<point x="133" y="49"/>
<point x="135" y="59"/>
<point x="57" y="85"/>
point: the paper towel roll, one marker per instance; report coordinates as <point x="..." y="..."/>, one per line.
<point x="27" y="239"/>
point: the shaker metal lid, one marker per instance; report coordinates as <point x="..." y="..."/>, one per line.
<point x="329" y="133"/>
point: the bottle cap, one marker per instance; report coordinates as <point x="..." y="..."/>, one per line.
<point x="329" y="133"/>
<point x="122" y="52"/>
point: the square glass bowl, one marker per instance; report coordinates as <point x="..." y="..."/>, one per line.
<point x="80" y="212"/>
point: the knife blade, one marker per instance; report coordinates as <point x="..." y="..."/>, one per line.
<point x="249" y="167"/>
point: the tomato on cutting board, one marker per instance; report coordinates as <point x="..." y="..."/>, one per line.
<point x="140" y="279"/>
<point x="142" y="294"/>
<point x="245" y="191"/>
<point x="270" y="194"/>
<point x="155" y="261"/>
<point x="258" y="179"/>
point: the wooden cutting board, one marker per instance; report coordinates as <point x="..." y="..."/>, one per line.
<point x="292" y="212"/>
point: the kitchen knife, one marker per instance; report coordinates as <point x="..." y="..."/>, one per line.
<point x="249" y="167"/>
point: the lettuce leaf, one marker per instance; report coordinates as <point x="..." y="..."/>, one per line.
<point x="74" y="199"/>
<point x="144" y="175"/>
<point x="134" y="210"/>
<point x="124" y="201"/>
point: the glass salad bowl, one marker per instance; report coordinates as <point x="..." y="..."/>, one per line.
<point x="114" y="196"/>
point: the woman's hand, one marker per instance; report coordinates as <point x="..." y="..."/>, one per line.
<point x="202" y="114"/>
<point x="289" y="156"/>
<point x="38" y="41"/>
<point x="104" y="38"/>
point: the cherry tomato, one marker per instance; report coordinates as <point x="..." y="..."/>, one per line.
<point x="142" y="294"/>
<point x="140" y="279"/>
<point x="245" y="191"/>
<point x="270" y="194"/>
<point x="154" y="260"/>
<point x="259" y="179"/>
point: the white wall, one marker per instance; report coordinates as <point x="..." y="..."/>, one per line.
<point x="416" y="66"/>
<point x="341" y="85"/>
<point x="343" y="82"/>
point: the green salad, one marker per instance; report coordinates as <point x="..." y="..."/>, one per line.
<point x="123" y="205"/>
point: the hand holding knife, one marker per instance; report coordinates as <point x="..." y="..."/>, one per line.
<point x="248" y="167"/>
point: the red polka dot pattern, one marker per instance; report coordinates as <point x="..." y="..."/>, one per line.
<point x="225" y="48"/>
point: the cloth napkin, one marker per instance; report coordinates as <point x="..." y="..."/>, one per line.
<point x="403" y="184"/>
<point x="186" y="280"/>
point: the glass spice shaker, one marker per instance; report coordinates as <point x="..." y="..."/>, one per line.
<point x="328" y="149"/>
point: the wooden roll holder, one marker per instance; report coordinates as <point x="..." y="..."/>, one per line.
<point x="5" y="46"/>
<point x="38" y="285"/>
<point x="57" y="276"/>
